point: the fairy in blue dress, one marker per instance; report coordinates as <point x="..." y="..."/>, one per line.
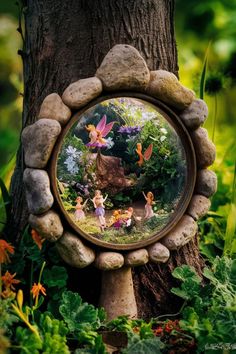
<point x="98" y="201"/>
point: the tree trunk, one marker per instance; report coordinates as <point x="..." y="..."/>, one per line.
<point x="66" y="41"/>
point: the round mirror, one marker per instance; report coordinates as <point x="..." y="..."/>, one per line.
<point x="123" y="171"/>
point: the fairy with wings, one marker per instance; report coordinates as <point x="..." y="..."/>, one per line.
<point x="98" y="133"/>
<point x="143" y="156"/>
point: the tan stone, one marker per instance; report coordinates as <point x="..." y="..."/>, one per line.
<point x="81" y="92"/>
<point x="158" y="253"/>
<point x="48" y="225"/>
<point x="195" y="114"/>
<point x="123" y="68"/>
<point x="181" y="234"/>
<point x="54" y="108"/>
<point x="117" y="293"/>
<point x="74" y="252"/>
<point x="166" y="87"/>
<point x="109" y="260"/>
<point x="206" y="183"/>
<point x="137" y="257"/>
<point x="38" y="141"/>
<point x="198" y="207"/>
<point x="204" y="148"/>
<point x="38" y="194"/>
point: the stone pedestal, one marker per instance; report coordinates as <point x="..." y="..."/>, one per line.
<point x="117" y="293"/>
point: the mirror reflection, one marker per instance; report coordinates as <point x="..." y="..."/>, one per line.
<point x="121" y="171"/>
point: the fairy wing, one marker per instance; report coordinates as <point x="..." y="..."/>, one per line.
<point x="148" y="153"/>
<point x="107" y="129"/>
<point x="101" y="125"/>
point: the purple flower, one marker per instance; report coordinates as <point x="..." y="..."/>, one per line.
<point x="129" y="130"/>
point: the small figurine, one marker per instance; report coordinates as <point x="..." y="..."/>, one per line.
<point x="98" y="133"/>
<point x="143" y="156"/>
<point x="129" y="219"/>
<point x="116" y="220"/>
<point x="79" y="213"/>
<point x="98" y="201"/>
<point x="148" y="207"/>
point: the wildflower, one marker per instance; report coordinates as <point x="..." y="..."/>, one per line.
<point x="8" y="293"/>
<point x="37" y="289"/>
<point x="37" y="238"/>
<point x="109" y="143"/>
<point x="163" y="130"/>
<point x="129" y="129"/>
<point x="9" y="281"/>
<point x="5" y="248"/>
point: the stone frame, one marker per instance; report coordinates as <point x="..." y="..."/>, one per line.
<point x="123" y="68"/>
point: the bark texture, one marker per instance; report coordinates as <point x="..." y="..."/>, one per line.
<point x="66" y="41"/>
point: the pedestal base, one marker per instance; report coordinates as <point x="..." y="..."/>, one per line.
<point x="117" y="293"/>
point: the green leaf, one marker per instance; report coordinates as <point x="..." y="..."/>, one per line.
<point x="203" y="74"/>
<point x="145" y="346"/>
<point x="28" y="341"/>
<point x="185" y="272"/>
<point x="98" y="348"/>
<point x="77" y="314"/>
<point x="55" y="277"/>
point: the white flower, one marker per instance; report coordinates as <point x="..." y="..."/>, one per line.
<point x="162" y="138"/>
<point x="163" y="130"/>
<point x="70" y="150"/>
<point x="71" y="165"/>
<point x="109" y="143"/>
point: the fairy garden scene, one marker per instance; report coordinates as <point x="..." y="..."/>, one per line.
<point x="121" y="171"/>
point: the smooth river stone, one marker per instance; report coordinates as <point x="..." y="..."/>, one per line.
<point x="182" y="233"/>
<point x="54" y="108"/>
<point x="198" y="206"/>
<point x="195" y="114"/>
<point x="206" y="183"/>
<point x="158" y="253"/>
<point x="38" y="194"/>
<point x="204" y="148"/>
<point x="81" y="92"/>
<point x="166" y="87"/>
<point x="38" y="141"/>
<point x="123" y="68"/>
<point x="109" y="260"/>
<point x="136" y="258"/>
<point x="48" y="225"/>
<point x="74" y="252"/>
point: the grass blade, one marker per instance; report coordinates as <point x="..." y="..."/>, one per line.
<point x="203" y="74"/>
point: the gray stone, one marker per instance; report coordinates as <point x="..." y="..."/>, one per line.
<point x="158" y="253"/>
<point x="166" y="87"/>
<point x="81" y="92"/>
<point x="74" y="252"/>
<point x="181" y="234"/>
<point x="137" y="257"/>
<point x="54" y="108"/>
<point x="38" y="195"/>
<point x="109" y="260"/>
<point x="206" y="183"/>
<point x="198" y="206"/>
<point x="38" y="141"/>
<point x="48" y="225"/>
<point x="117" y="294"/>
<point x="204" y="148"/>
<point x="123" y="68"/>
<point x="195" y="114"/>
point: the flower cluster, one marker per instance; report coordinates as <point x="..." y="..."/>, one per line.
<point x="72" y="160"/>
<point x="129" y="130"/>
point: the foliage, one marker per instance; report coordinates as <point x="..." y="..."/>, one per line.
<point x="211" y="306"/>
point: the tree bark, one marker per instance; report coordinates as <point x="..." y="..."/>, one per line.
<point x="66" y="41"/>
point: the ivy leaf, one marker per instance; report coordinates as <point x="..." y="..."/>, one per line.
<point x="188" y="290"/>
<point x="55" y="277"/>
<point x="78" y="315"/>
